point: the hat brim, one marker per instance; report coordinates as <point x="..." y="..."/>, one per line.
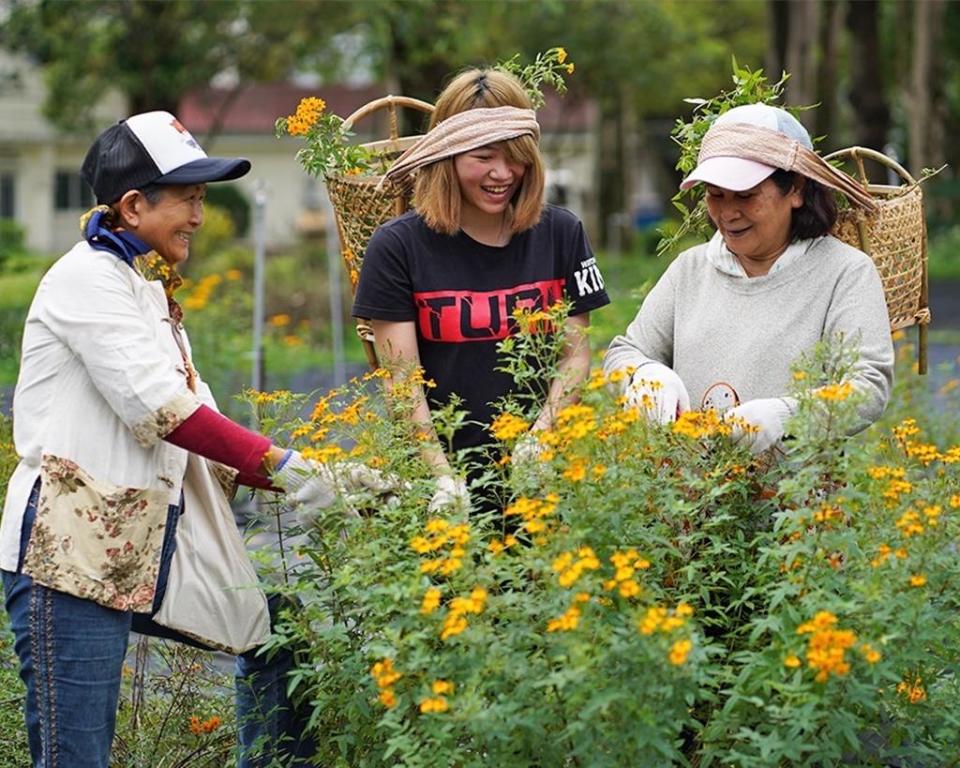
<point x="734" y="173"/>
<point x="207" y="169"/>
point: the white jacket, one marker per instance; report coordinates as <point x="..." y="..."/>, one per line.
<point x="101" y="382"/>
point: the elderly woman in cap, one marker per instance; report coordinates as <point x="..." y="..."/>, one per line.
<point x="722" y="326"/>
<point x="116" y="517"/>
<point x="441" y="283"/>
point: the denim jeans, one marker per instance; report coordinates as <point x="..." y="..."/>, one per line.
<point x="71" y="655"/>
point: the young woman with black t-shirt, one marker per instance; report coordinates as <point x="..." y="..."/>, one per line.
<point x="440" y="283"/>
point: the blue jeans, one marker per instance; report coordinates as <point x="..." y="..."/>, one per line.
<point x="71" y="654"/>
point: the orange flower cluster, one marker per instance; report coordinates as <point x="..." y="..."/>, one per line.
<point x="441" y="534"/>
<point x="437" y="703"/>
<point x="308" y="111"/>
<point x="913" y="691"/>
<point x="884" y="552"/>
<point x="700" y="424"/>
<point x="533" y="512"/>
<point x="626" y="564"/>
<point x="827" y="646"/>
<point x="571" y="565"/>
<point x="385" y="676"/>
<point x="455" y="621"/>
<point x="199" y="727"/>
<point x="660" y="619"/>
<point x="507" y="427"/>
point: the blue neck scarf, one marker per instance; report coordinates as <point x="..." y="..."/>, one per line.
<point x="125" y="245"/>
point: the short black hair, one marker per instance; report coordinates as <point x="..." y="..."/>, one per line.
<point x="818" y="213"/>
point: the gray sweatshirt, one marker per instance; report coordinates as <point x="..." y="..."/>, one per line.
<point x="715" y="327"/>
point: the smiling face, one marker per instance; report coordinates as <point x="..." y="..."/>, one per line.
<point x="488" y="179"/>
<point x="754" y="223"/>
<point x="167" y="225"/>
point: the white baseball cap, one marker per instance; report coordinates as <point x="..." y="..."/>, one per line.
<point x="151" y="148"/>
<point x="739" y="173"/>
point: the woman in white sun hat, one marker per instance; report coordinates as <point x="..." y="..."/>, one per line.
<point x="116" y="517"/>
<point x="722" y="326"/>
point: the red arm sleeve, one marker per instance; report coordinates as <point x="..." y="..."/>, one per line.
<point x="214" y="436"/>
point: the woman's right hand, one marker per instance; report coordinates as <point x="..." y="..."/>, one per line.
<point x="657" y="392"/>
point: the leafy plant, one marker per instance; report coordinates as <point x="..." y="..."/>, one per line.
<point x="646" y="595"/>
<point x="749" y="87"/>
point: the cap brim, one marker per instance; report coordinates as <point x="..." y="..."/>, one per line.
<point x="207" y="169"/>
<point x="736" y="173"/>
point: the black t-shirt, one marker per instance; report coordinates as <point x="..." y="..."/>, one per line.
<point x="461" y="294"/>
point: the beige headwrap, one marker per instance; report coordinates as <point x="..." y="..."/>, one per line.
<point x="780" y="151"/>
<point x="462" y="132"/>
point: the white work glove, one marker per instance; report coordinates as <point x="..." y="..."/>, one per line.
<point x="450" y="492"/>
<point x="767" y="418"/>
<point x="656" y="391"/>
<point x="527" y="451"/>
<point x="306" y="483"/>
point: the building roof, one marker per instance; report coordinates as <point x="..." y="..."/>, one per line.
<point x="254" y="108"/>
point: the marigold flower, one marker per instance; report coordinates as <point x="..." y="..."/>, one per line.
<point x="679" y="652"/>
<point x="918" y="580"/>
<point x="567" y="622"/>
<point x="384" y="673"/>
<point x="507" y="427"/>
<point x="388" y="698"/>
<point x="870" y="654"/>
<point x="439" y="687"/>
<point x="453" y="625"/>
<point x="434" y="705"/>
<point x="431" y="600"/>
<point x="792" y="661"/>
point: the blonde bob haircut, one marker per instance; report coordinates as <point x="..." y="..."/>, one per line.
<point x="436" y="192"/>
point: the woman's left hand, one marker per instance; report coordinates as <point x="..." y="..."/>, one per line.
<point x="759" y="424"/>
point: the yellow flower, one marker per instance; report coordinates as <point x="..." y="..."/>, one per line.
<point x="507" y="427"/>
<point x="870" y="654"/>
<point x="387" y="698"/>
<point x="835" y="392"/>
<point x="918" y="580"/>
<point x="233" y="274"/>
<point x="439" y="687"/>
<point x="431" y="600"/>
<point x="279" y="321"/>
<point x="561" y="55"/>
<point x="679" y="652"/>
<point x="434" y="705"/>
<point x="792" y="661"/>
<point x="570" y="68"/>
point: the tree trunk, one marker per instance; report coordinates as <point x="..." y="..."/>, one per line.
<point x="778" y="24"/>
<point x="824" y="119"/>
<point x="925" y="144"/>
<point x="870" y="110"/>
<point x="801" y="53"/>
<point x="611" y="169"/>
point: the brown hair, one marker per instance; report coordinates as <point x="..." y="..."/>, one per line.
<point x="436" y="191"/>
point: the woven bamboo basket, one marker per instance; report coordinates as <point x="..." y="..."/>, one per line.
<point x="895" y="237"/>
<point x="359" y="207"/>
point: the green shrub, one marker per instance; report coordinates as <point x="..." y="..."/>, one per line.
<point x="649" y="595"/>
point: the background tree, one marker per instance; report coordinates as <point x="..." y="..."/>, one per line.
<point x="155" y="52"/>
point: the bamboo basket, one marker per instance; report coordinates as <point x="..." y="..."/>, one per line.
<point x="359" y="207"/>
<point x="895" y="237"/>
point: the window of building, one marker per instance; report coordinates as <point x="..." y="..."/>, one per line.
<point x="71" y="192"/>
<point x="7" y="189"/>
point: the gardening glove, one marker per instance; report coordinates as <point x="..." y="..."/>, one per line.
<point x="759" y="424"/>
<point x="527" y="451"/>
<point x="450" y="492"/>
<point x="361" y="488"/>
<point x="306" y="483"/>
<point x="656" y="391"/>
